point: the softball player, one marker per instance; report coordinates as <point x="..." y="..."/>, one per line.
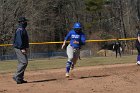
<point x="117" y="47"/>
<point x="77" y="38"/>
<point x="138" y="45"/>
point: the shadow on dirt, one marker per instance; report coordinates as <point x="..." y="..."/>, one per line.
<point x="48" y="80"/>
<point x="83" y="77"/>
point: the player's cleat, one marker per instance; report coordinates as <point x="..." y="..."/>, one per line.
<point x="67" y="75"/>
<point x="72" y="67"/>
<point x="138" y="63"/>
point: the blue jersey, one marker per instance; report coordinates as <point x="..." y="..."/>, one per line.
<point x="74" y="36"/>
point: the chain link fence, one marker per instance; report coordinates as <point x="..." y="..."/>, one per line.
<point x="91" y="49"/>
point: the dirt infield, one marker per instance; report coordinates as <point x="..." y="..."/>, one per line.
<point x="120" y="78"/>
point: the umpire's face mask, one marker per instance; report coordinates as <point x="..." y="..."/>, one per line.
<point x="77" y="30"/>
<point x="23" y="24"/>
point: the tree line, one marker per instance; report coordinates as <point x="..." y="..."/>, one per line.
<point x="50" y="20"/>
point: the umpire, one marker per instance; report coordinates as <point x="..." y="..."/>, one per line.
<point x="21" y="43"/>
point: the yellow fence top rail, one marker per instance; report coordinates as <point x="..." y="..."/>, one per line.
<point x="42" y="43"/>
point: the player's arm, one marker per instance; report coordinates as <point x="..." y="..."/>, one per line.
<point x="66" y="38"/>
<point x="139" y="38"/>
<point x="83" y="40"/>
<point x="113" y="46"/>
<point x="63" y="44"/>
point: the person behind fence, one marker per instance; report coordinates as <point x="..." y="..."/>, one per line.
<point x="138" y="45"/>
<point x="77" y="39"/>
<point x="21" y="43"/>
<point x="117" y="48"/>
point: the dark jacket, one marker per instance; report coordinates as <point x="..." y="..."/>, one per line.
<point x="117" y="45"/>
<point x="21" y="40"/>
<point x="137" y="44"/>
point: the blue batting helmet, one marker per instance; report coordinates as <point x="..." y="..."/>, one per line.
<point x="77" y="25"/>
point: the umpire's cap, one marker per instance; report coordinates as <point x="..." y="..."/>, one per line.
<point x="22" y="19"/>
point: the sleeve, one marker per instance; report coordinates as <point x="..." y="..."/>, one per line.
<point x="68" y="36"/>
<point x="83" y="39"/>
<point x="19" y="38"/>
<point x="138" y="34"/>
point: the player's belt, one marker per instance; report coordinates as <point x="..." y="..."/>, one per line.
<point x="76" y="48"/>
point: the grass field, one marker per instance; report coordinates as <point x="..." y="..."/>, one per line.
<point x="41" y="64"/>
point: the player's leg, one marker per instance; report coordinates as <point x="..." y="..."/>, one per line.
<point x="119" y="51"/>
<point x="70" y="57"/>
<point x="75" y="58"/>
<point x="79" y="57"/>
<point x="138" y="56"/>
<point x="116" y="52"/>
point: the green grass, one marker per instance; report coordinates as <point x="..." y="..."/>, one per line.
<point x="40" y="64"/>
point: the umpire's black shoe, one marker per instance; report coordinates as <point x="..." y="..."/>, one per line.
<point x="23" y="81"/>
<point x="18" y="82"/>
